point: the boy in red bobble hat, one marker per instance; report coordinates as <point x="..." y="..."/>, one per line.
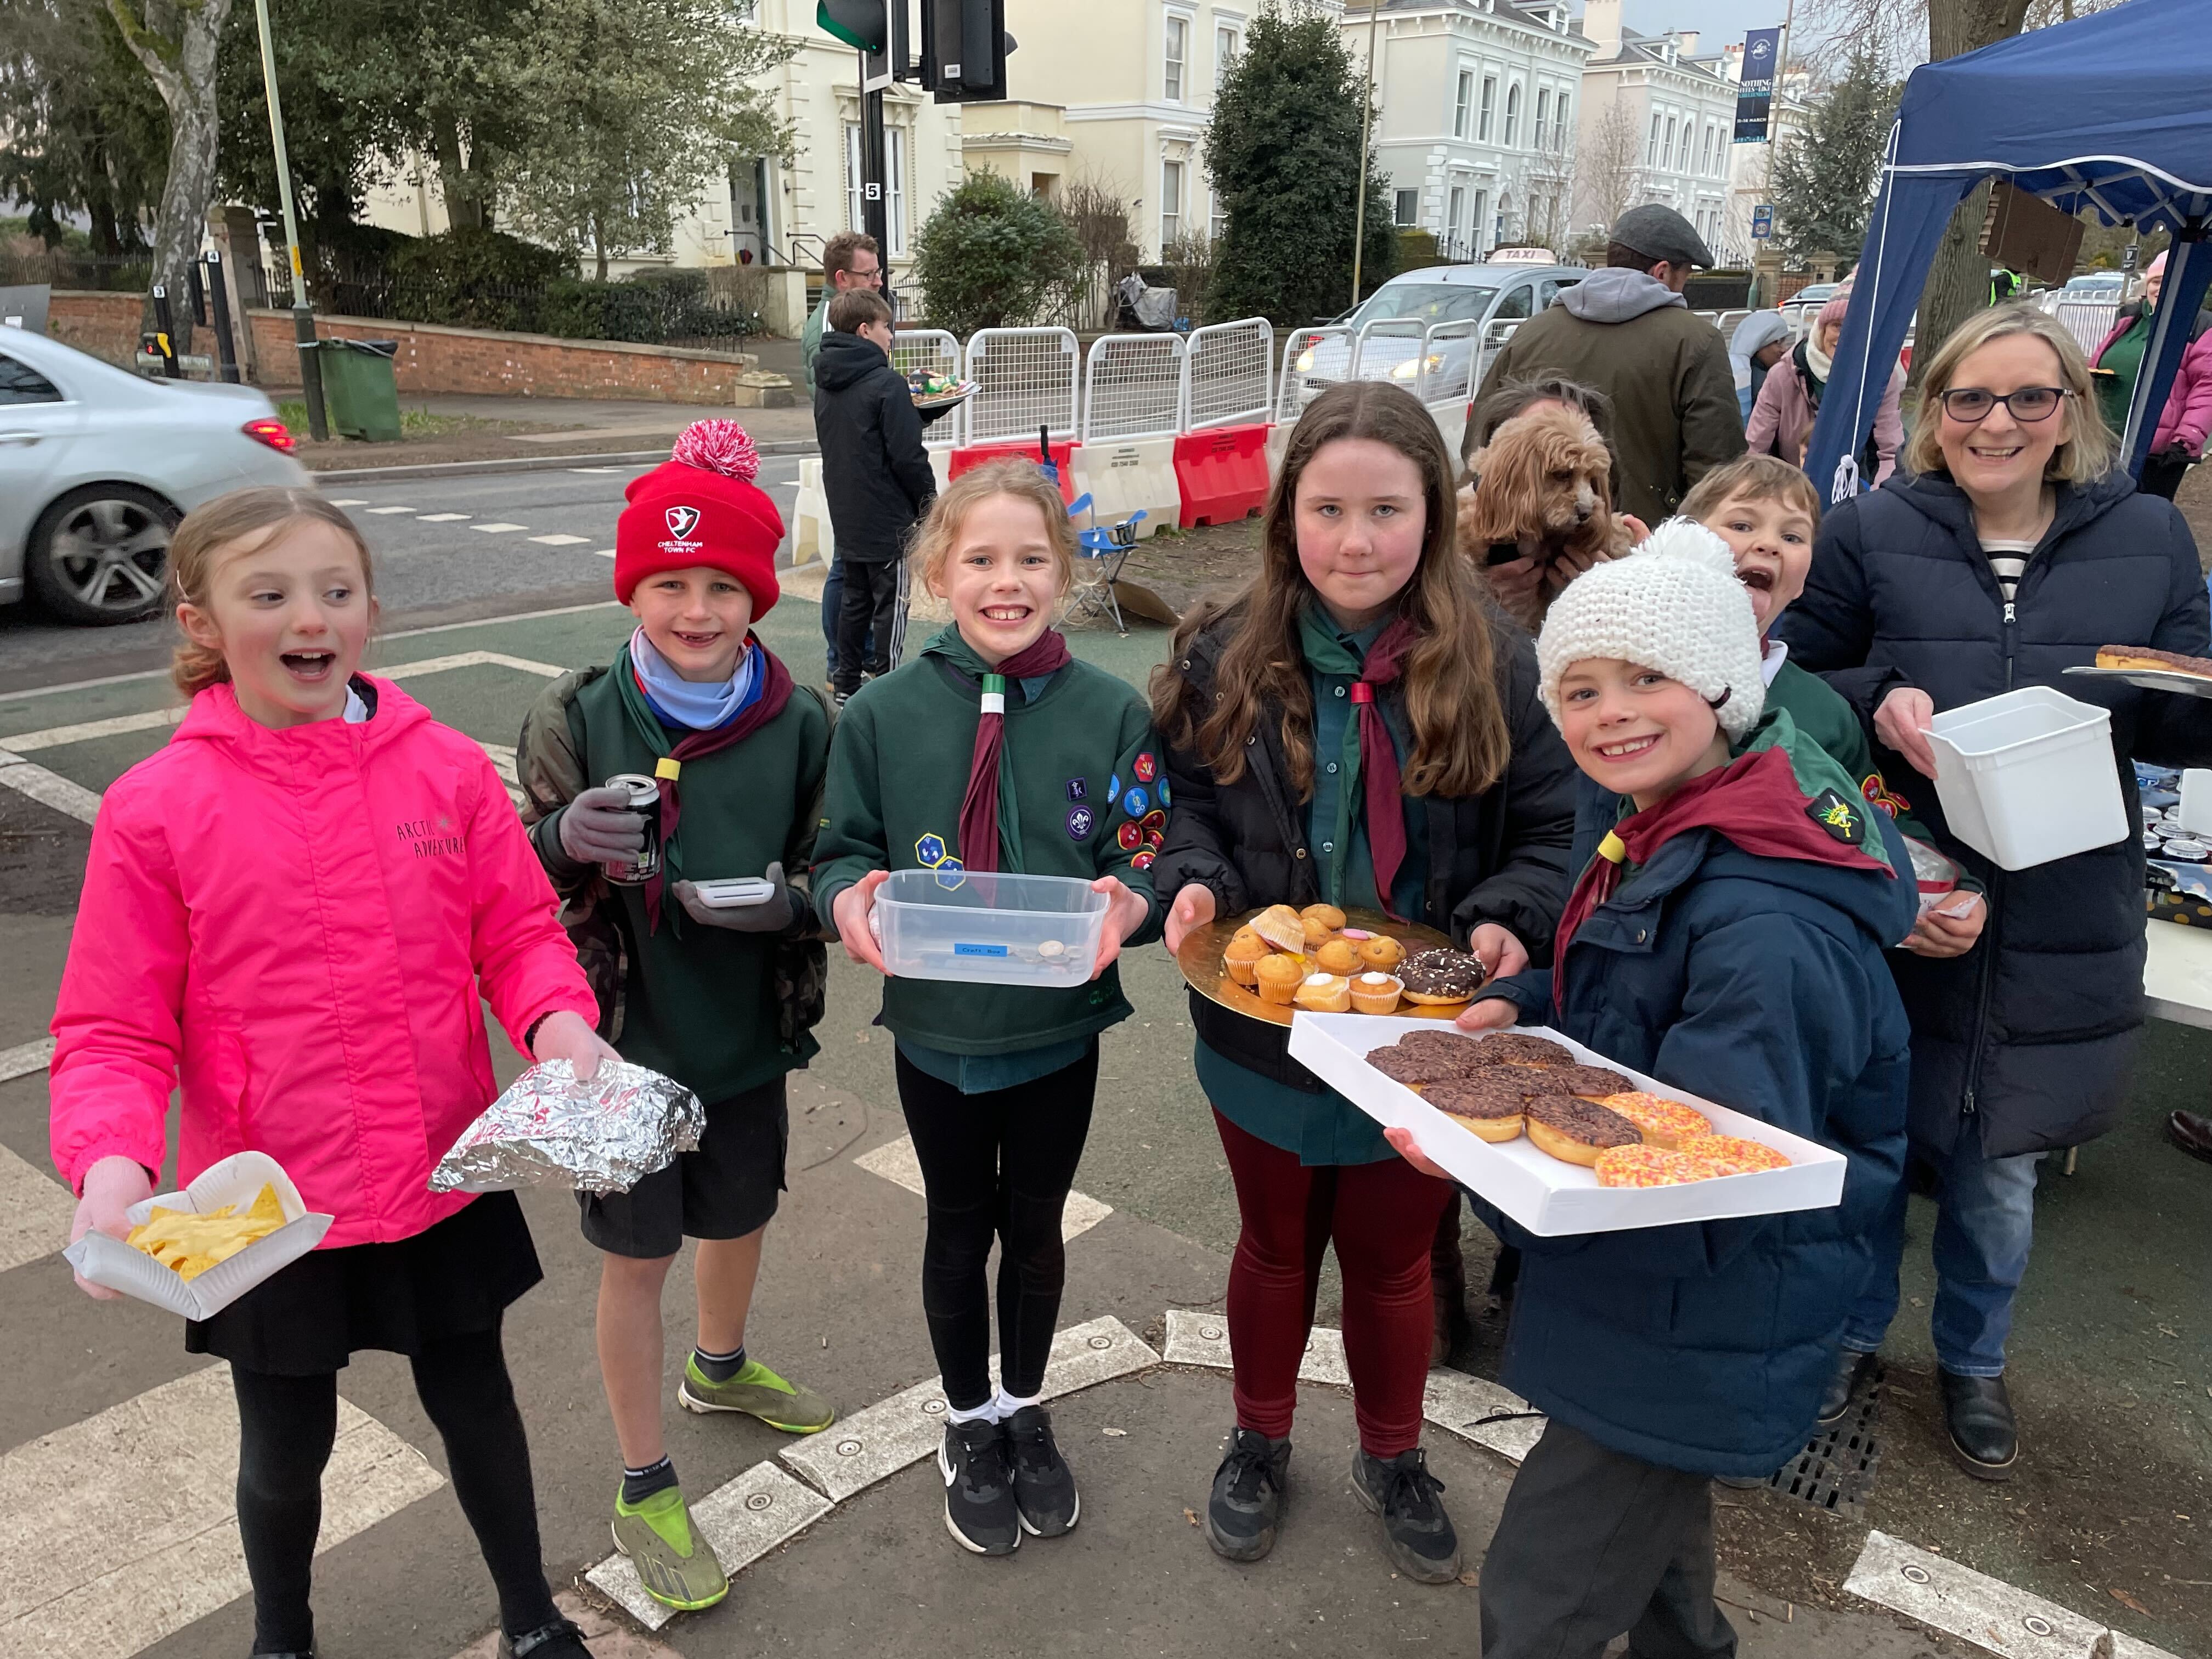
<point x="721" y="759"/>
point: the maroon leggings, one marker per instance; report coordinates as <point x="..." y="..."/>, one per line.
<point x="1383" y="1219"/>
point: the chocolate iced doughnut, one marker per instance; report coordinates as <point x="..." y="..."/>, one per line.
<point x="1591" y="1082"/>
<point x="1517" y="1048"/>
<point x="1414" y="1068"/>
<point x="1441" y="975"/>
<point x="1488" y="1104"/>
<point x="1450" y="1044"/>
<point x="1577" y="1131"/>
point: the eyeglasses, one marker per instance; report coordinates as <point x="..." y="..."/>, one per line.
<point x="1971" y="403"/>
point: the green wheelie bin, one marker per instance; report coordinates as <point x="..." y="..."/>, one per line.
<point x="359" y="392"/>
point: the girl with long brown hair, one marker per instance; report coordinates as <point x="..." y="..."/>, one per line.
<point x="1356" y="728"/>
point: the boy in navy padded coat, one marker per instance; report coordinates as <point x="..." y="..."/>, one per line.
<point x="1727" y="938"/>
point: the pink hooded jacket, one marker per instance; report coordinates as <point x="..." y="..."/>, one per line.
<point x="2188" y="412"/>
<point x="297" y="923"/>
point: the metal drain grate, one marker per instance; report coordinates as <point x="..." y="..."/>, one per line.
<point x="1836" y="1470"/>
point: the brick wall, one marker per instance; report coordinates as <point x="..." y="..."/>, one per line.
<point x="432" y="358"/>
<point x="435" y="359"/>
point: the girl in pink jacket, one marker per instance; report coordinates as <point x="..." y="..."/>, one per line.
<point x="291" y="909"/>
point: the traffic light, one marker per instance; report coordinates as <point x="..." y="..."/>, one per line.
<point x="964" y="44"/>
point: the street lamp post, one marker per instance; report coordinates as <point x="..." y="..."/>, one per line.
<point x="1774" y="139"/>
<point x="303" y="317"/>
<point x="1366" y="119"/>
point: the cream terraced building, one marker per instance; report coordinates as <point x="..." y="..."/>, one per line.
<point x="1656" y="125"/>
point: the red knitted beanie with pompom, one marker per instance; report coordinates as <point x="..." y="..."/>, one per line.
<point x="702" y="508"/>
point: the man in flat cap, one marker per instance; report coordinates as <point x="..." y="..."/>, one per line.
<point x="1626" y="331"/>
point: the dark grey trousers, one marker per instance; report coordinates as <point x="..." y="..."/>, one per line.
<point x="1592" y="1543"/>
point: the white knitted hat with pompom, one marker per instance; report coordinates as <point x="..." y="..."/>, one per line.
<point x="1674" y="605"/>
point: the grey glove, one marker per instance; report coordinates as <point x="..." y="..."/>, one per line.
<point x="597" y="827"/>
<point x="771" y="915"/>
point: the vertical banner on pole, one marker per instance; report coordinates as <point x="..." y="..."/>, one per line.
<point x="1754" y="100"/>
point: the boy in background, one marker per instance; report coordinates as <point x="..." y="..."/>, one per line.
<point x="877" y="478"/>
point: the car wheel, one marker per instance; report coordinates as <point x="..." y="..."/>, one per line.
<point x="100" y="554"/>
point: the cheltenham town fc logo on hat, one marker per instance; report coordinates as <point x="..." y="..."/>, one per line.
<point x="682" y="520"/>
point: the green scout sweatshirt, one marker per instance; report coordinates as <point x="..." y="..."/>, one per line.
<point x="699" y="1003"/>
<point x="1081" y="793"/>
<point x="1820" y="712"/>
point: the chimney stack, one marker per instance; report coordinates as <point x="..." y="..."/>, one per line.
<point x="1602" y="26"/>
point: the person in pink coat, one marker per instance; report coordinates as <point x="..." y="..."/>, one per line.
<point x="291" y="909"/>
<point x="2176" y="443"/>
<point x="1790" y="398"/>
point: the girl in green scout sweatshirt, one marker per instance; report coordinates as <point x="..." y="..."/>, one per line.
<point x="995" y="750"/>
<point x="718" y="997"/>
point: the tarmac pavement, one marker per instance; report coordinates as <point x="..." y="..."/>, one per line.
<point x="2105" y="1524"/>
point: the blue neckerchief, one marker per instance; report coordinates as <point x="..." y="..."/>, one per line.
<point x="688" y="705"/>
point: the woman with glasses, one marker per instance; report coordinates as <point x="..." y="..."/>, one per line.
<point x="2006" y="549"/>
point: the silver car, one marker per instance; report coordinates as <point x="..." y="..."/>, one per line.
<point x="1475" y="309"/>
<point x="97" y="465"/>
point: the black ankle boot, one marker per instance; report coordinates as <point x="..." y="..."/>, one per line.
<point x="1978" y="1412"/>
<point x="1853" y="1372"/>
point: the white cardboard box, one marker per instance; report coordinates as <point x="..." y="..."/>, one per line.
<point x="237" y="1179"/>
<point x="1545" y="1195"/>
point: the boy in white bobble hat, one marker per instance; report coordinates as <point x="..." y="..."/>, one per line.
<point x="1726" y="937"/>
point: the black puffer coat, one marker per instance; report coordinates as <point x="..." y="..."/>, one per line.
<point x="1500" y="856"/>
<point x="2025" y="1040"/>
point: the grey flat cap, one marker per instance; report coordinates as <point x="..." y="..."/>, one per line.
<point x="1659" y="232"/>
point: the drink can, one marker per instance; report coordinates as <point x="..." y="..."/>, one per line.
<point x="644" y="795"/>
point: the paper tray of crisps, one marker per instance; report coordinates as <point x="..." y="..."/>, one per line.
<point x="1548" y="1196"/>
<point x="236" y="1181"/>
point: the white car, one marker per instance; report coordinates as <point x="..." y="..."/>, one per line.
<point x="97" y="465"/>
<point x="1486" y="301"/>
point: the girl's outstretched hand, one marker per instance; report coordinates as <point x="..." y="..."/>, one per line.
<point x="1402" y="1141"/>
<point x="564" y="1036"/>
<point x="1490" y="1014"/>
<point x="1192" y="907"/>
<point x="1503" y="955"/>
<point x="111" y="1187"/>
<point x="1126" y="911"/>
<point x="853" y="911"/>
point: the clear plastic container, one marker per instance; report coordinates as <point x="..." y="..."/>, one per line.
<point x="989" y="928"/>
<point x="2028" y="777"/>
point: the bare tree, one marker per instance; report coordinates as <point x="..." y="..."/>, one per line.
<point x="1608" y="167"/>
<point x="175" y="41"/>
<point x="1101" y="220"/>
<point x="1547" y="189"/>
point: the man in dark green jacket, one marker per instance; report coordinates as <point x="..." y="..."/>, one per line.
<point x="1626" y="331"/>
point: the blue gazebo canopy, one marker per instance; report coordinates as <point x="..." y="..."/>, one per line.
<point x="2111" y="113"/>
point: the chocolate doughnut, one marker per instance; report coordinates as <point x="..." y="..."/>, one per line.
<point x="1465" y="1050"/>
<point x="1591" y="1082"/>
<point x="1518" y="1048"/>
<point x="1487" y="1104"/>
<point x="1413" y="1068"/>
<point x="1576" y="1131"/>
<point x="1441" y="976"/>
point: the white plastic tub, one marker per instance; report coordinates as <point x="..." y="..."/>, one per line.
<point x="989" y="928"/>
<point x="2028" y="776"/>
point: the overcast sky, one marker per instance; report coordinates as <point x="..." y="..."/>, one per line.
<point x="1718" y="21"/>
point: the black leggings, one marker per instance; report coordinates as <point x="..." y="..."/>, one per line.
<point x="286" y="1428"/>
<point x="995" y="1165"/>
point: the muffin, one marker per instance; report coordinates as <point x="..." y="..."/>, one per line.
<point x="1244" y="935"/>
<point x="1330" y="917"/>
<point x="1276" y="978"/>
<point x="1243" y="957"/>
<point x="1375" y="994"/>
<point x="1380" y="952"/>
<point x="1325" y="993"/>
<point x="1279" y="926"/>
<point x="1337" y="956"/>
<point x="1315" y="931"/>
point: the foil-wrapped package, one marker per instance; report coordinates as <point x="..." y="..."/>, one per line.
<point x="602" y="1136"/>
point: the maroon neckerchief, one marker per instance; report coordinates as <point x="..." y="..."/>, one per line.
<point x="1754" y="801"/>
<point x="1379" y="772"/>
<point x="776" y="692"/>
<point x="979" y="806"/>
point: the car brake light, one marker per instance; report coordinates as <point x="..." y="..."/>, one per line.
<point x="273" y="433"/>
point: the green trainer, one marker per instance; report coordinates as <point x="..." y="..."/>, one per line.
<point x="757" y="1392"/>
<point x="675" y="1565"/>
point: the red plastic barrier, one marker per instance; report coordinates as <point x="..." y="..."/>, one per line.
<point x="976" y="454"/>
<point x="1222" y="472"/>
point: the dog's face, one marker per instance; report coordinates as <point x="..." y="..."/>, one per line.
<point x="1544" y="475"/>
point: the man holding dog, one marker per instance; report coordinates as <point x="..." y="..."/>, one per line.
<point x="1626" y="331"/>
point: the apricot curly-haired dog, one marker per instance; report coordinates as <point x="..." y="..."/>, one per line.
<point x="1541" y="486"/>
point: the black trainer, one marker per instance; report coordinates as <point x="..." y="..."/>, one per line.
<point x="1044" y="1487"/>
<point x="979" y="1490"/>
<point x="558" y="1640"/>
<point x="1247" y="1503"/>
<point x="1417" y="1535"/>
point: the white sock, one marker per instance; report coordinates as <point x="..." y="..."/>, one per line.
<point x="985" y="1413"/>
<point x="1006" y="1405"/>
